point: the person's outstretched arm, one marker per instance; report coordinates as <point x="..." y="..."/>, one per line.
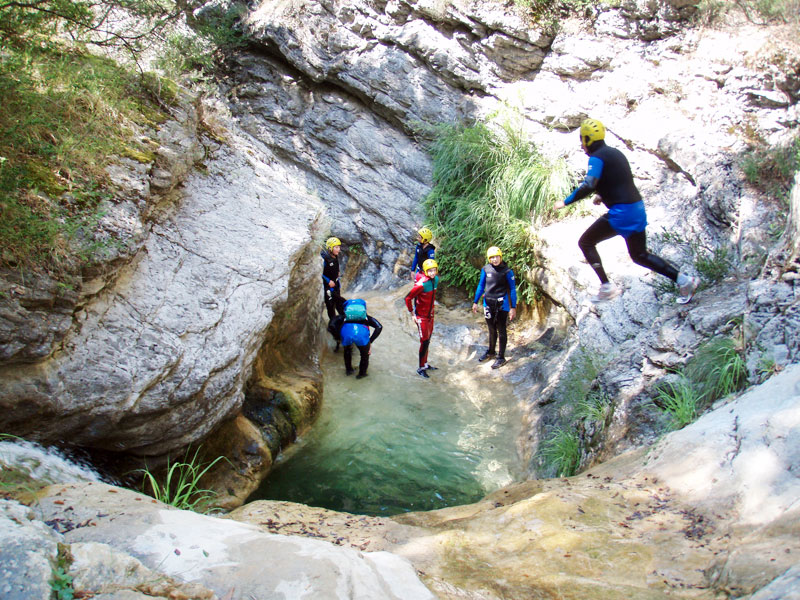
<point x="587" y="186"/>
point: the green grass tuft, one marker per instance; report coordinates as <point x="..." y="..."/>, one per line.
<point x="562" y="453"/>
<point x="680" y="400"/>
<point x="180" y="484"/>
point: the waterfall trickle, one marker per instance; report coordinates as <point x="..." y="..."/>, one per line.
<point x="45" y="465"/>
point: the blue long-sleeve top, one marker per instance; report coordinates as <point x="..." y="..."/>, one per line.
<point x="421" y="255"/>
<point x="505" y="287"/>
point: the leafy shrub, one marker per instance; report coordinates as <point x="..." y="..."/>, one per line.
<point x="712" y="266"/>
<point x="772" y="169"/>
<point x="489" y="185"/>
<point x="756" y="11"/>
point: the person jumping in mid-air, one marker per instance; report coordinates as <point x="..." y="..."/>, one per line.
<point x="423" y="251"/>
<point x="499" y="290"/>
<point x="609" y="176"/>
<point x="420" y="301"/>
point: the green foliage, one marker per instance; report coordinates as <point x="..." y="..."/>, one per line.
<point x="766" y="11"/>
<point x="217" y="28"/>
<point x="550" y="12"/>
<point x="712" y="266"/>
<point x="680" y="400"/>
<point x="61" y="584"/>
<point x="180" y="485"/>
<point x="709" y="11"/>
<point x="489" y="186"/>
<point x="757" y="11"/>
<point x="771" y="169"/>
<point x="767" y="367"/>
<point x="562" y="452"/>
<point x="594" y="406"/>
<point x="63" y="113"/>
<point x="717" y="369"/>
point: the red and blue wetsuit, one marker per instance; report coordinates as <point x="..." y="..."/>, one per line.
<point x="420" y="301"/>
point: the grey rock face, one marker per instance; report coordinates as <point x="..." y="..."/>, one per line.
<point x="161" y="358"/>
<point x="132" y="534"/>
<point x="325" y="119"/>
<point x="28" y="550"/>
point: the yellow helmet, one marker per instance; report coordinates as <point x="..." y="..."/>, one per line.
<point x="332" y="242"/>
<point x="494" y="251"/>
<point x="592" y="130"/>
<point x="429" y="264"/>
<point x="425" y="234"/>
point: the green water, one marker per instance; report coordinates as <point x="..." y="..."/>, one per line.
<point x="394" y="442"/>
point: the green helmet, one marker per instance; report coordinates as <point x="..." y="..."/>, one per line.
<point x="592" y="130"/>
<point x="332" y="242"/>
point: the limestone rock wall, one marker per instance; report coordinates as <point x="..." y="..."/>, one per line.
<point x="324" y="119"/>
<point x="160" y="355"/>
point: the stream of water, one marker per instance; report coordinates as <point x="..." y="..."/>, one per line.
<point x="394" y="442"/>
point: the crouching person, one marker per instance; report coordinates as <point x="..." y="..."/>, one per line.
<point x="353" y="328"/>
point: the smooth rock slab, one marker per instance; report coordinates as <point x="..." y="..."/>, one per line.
<point x="235" y="560"/>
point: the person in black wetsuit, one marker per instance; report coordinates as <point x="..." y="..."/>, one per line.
<point x="499" y="290"/>
<point x="353" y="328"/>
<point x="334" y="303"/>
<point x="609" y="176"/>
<point x="423" y="251"/>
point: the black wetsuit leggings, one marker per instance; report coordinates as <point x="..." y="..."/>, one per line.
<point x="333" y="301"/>
<point x="497" y="322"/>
<point x="363" y="365"/>
<point x="602" y="230"/>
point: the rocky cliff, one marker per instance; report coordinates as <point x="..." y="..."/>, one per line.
<point x="204" y="327"/>
<point x="322" y="124"/>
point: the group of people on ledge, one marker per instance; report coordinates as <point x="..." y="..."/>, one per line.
<point x="608" y="176"/>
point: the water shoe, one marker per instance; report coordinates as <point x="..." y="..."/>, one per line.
<point x="499" y="363"/>
<point x="486" y="356"/>
<point x="608" y="291"/>
<point x="687" y="290"/>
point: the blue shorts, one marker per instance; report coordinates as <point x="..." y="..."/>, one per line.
<point x="627" y="219"/>
<point x="355" y="333"/>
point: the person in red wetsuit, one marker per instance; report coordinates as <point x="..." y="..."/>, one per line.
<point x="420" y="301"/>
